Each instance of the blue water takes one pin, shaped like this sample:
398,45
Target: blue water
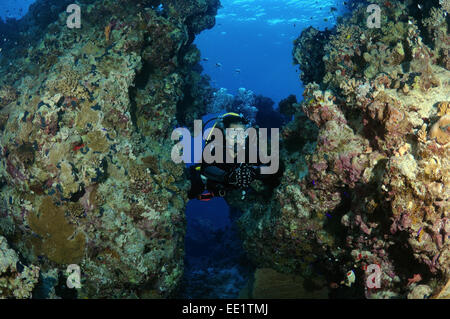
255,37
14,8
251,44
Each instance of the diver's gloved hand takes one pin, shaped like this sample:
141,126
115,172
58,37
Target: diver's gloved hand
242,176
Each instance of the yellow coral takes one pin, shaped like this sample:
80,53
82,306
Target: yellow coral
97,141
68,85
75,210
405,148
58,239
444,108
432,168
422,134
345,34
441,130
108,32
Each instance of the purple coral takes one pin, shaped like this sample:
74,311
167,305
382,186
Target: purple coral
349,173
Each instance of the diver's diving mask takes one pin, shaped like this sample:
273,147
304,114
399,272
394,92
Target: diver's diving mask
238,137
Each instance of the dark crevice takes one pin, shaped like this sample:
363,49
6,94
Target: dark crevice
76,196
140,83
62,290
216,265
133,107
183,107
143,76
333,224
403,259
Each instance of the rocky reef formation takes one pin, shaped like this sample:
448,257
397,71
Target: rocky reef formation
308,54
16,280
270,284
86,117
368,181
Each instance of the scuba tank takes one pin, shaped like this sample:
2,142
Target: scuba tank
218,119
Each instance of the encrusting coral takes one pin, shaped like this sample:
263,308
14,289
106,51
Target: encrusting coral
15,282
54,232
7,95
85,154
269,284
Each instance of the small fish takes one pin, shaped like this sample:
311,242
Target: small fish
419,233
218,64
419,6
237,70
205,59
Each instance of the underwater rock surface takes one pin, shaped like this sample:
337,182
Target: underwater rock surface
16,280
372,185
86,117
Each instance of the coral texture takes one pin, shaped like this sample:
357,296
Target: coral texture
243,103
15,282
269,284
85,165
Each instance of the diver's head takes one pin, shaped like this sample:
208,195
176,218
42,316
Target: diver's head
235,122
235,130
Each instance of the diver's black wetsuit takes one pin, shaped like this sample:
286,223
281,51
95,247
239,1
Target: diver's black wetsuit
221,177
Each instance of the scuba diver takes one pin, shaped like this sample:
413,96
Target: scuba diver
215,179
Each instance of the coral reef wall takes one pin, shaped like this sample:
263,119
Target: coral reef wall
368,180
86,117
